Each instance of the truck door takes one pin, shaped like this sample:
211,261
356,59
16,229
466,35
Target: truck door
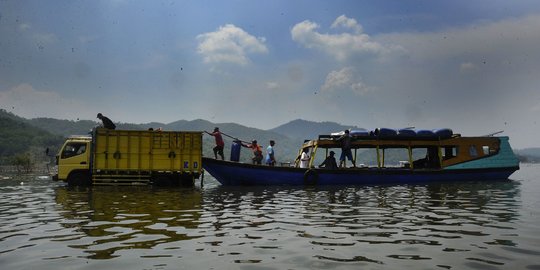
75,155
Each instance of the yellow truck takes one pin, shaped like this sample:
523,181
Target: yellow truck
131,157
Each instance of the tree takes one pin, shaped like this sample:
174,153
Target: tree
22,162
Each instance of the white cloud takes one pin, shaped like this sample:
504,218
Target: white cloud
467,67
480,43
341,46
87,39
229,44
28,102
272,85
345,79
44,38
41,38
24,27
361,88
343,21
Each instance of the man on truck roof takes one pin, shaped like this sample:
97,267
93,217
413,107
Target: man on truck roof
107,123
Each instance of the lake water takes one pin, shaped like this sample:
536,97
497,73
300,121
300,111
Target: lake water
46,225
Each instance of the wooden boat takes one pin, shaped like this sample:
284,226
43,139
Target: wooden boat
397,157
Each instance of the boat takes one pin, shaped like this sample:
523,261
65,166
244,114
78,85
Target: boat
399,156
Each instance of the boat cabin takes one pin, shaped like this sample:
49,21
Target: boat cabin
376,150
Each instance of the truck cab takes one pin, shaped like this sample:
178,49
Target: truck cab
73,160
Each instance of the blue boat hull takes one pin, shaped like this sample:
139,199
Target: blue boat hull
233,173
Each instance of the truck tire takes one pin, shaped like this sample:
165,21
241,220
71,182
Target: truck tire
162,180
79,179
187,180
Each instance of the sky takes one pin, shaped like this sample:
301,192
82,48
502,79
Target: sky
472,66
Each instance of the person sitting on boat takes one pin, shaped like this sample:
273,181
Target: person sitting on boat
345,149
218,149
257,152
304,158
270,159
330,162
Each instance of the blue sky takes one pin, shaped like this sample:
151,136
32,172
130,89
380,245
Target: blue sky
473,66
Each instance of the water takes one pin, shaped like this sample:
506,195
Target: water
471,225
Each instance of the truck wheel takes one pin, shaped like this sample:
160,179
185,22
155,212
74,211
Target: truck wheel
79,179
162,181
187,181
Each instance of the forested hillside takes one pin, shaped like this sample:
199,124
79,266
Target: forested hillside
17,137
33,136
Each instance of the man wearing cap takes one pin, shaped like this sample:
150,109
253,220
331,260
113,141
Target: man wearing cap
107,123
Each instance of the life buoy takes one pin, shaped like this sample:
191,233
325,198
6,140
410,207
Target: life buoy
311,177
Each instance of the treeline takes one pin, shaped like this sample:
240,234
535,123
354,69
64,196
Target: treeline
21,142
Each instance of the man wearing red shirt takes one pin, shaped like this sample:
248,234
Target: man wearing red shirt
219,143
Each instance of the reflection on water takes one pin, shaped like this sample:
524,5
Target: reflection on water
129,217
435,226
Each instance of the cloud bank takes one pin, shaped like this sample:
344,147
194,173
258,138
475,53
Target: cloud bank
351,43
229,44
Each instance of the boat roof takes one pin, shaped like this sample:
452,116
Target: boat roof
325,141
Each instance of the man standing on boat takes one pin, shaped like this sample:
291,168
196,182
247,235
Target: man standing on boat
270,159
345,149
218,149
304,159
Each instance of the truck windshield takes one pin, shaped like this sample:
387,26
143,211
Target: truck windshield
73,149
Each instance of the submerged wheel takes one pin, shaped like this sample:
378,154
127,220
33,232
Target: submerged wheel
163,180
311,177
79,179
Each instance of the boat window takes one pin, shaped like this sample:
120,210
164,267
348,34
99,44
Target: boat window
365,157
419,153
426,157
472,151
450,152
73,149
486,150
395,157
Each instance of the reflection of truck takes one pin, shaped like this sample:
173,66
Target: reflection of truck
131,157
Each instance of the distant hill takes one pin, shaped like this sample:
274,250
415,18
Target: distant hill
18,137
529,155
63,127
303,129
533,152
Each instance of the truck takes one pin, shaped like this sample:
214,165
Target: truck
131,157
